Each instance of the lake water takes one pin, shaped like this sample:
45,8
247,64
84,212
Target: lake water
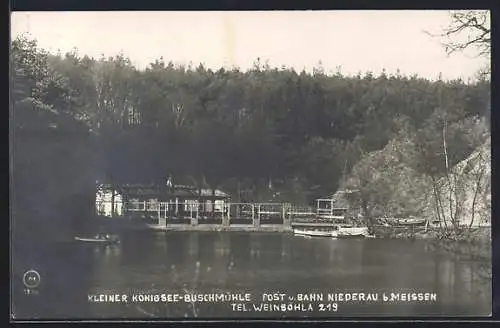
253,264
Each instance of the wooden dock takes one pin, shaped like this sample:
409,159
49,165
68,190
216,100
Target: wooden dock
232,228
256,226
177,216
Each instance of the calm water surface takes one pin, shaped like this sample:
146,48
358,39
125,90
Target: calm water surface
257,263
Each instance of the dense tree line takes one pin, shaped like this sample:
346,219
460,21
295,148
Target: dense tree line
267,130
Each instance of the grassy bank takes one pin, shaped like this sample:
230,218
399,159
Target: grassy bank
475,234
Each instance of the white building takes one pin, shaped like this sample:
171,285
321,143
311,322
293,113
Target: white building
104,200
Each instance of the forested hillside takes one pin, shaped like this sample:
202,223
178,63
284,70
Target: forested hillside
267,131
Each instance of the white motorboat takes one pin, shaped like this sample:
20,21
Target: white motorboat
339,232
312,233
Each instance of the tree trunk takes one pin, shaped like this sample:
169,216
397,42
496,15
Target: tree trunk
368,216
476,192
213,201
450,185
112,200
238,187
458,202
436,204
439,205
200,200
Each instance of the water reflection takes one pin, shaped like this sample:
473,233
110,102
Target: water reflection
206,262
254,247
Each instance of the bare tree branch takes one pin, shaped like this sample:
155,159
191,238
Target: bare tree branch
475,24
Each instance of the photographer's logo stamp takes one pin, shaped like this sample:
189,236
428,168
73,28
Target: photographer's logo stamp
31,279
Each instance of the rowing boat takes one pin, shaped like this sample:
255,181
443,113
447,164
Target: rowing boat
351,232
100,239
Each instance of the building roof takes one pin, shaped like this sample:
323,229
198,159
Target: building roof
339,198
158,191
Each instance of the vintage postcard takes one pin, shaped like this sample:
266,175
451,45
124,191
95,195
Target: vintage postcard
239,165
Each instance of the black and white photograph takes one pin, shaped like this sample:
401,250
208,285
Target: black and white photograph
231,165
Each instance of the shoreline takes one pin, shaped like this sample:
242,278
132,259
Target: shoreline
474,235
384,233
220,228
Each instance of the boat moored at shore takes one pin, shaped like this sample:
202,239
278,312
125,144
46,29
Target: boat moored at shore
351,232
312,233
340,232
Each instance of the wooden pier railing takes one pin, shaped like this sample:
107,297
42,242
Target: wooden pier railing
222,213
